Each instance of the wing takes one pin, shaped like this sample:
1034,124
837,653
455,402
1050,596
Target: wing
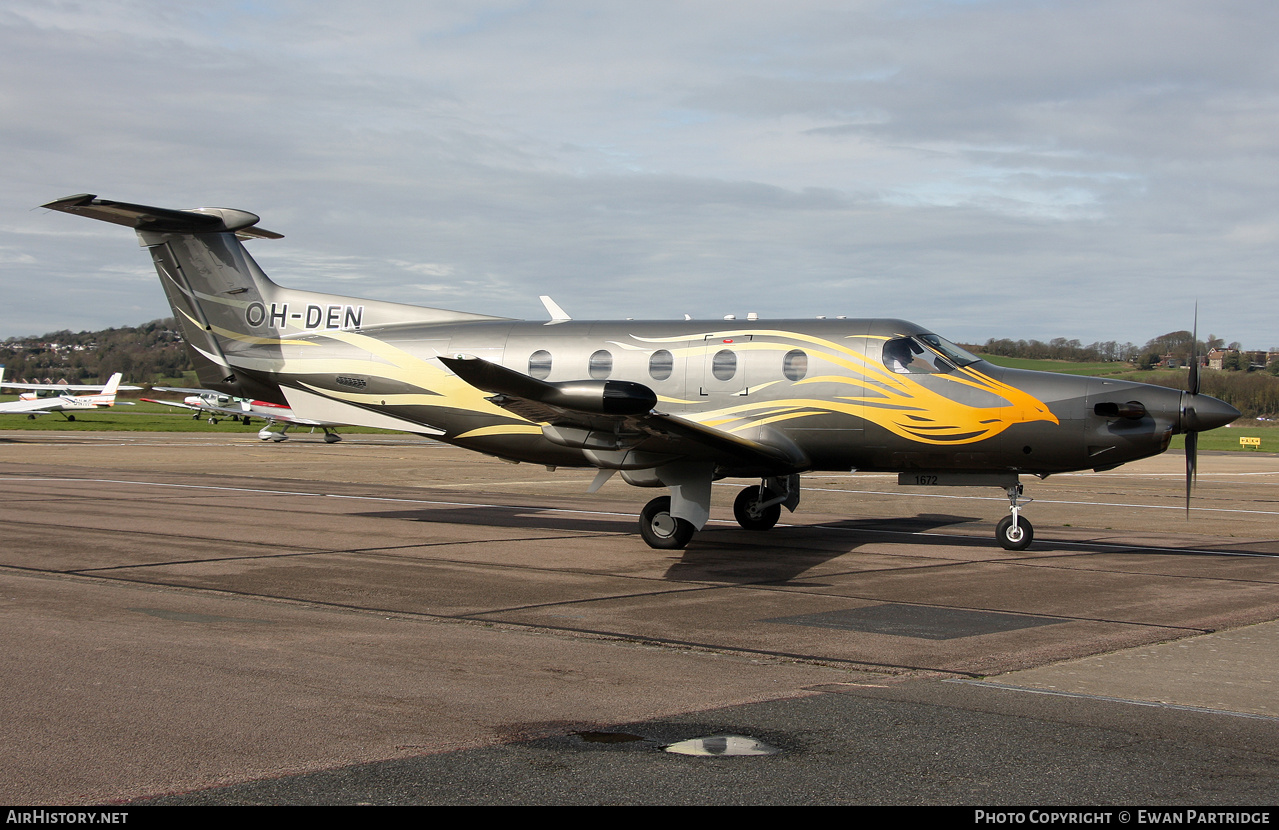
617,425
64,387
187,391
32,407
291,419
275,412
175,403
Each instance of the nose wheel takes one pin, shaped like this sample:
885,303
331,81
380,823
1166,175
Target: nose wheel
1014,532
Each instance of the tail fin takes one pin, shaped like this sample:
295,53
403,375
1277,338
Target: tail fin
113,383
232,316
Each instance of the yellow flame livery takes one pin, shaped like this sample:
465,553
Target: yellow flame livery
900,403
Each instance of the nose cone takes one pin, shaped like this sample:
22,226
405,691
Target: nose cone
1203,413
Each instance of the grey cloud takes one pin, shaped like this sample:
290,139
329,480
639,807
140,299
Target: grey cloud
1078,169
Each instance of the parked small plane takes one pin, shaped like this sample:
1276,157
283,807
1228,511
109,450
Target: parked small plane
674,404
40,398
218,405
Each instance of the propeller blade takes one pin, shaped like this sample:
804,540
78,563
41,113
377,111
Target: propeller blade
1189,423
1194,355
1192,463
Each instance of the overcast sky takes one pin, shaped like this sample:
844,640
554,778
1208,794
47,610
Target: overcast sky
1025,169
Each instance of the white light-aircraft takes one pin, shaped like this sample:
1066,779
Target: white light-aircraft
40,398
218,405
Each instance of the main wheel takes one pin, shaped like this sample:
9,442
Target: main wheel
749,515
1018,538
660,529
70,417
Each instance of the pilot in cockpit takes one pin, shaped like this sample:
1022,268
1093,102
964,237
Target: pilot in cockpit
898,355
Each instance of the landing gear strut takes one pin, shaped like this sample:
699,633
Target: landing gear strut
1014,532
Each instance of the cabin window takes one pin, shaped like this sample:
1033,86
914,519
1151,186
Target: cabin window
661,364
601,365
795,364
724,364
539,364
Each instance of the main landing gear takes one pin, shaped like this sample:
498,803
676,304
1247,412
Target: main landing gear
757,507
660,529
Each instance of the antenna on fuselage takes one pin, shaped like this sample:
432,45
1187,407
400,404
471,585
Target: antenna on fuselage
558,315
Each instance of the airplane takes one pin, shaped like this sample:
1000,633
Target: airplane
40,398
667,404
218,405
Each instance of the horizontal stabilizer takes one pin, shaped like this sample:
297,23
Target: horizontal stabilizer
163,220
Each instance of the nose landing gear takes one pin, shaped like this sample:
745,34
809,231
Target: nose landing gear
1014,532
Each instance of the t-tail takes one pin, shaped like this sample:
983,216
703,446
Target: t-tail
234,318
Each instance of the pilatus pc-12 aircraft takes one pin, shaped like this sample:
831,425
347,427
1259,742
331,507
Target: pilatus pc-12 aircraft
667,404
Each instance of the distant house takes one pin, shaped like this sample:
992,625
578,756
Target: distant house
1217,357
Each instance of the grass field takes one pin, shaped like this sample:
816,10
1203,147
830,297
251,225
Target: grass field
1062,367
1226,439
146,417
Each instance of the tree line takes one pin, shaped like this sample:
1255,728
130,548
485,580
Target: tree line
1059,348
1179,345
143,354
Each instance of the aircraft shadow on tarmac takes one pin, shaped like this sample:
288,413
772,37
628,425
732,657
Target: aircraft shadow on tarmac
784,553
530,518
721,554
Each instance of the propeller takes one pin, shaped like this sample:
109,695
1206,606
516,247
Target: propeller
1199,413
1188,420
